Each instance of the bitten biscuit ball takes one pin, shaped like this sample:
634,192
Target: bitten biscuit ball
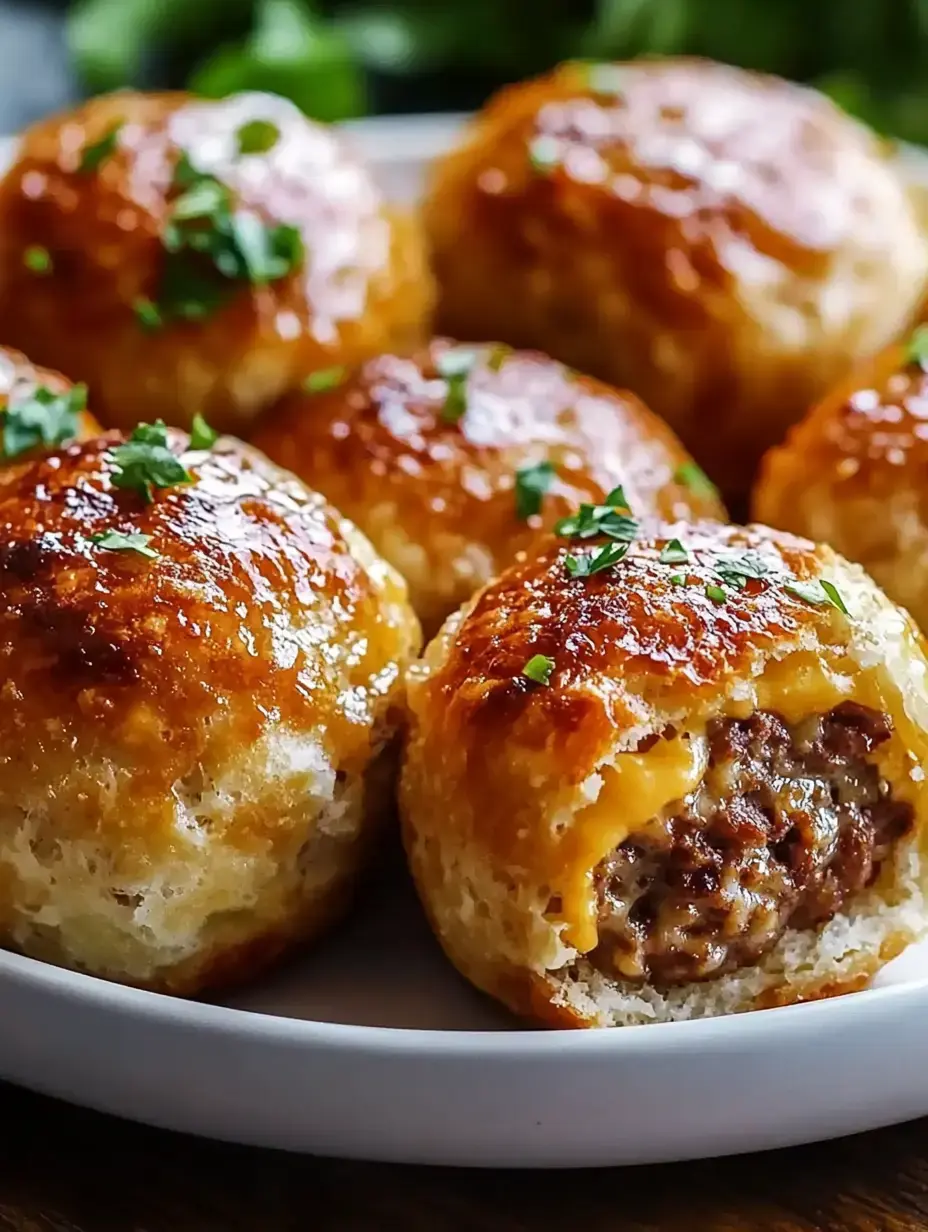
201,668
198,255
853,473
724,244
681,782
455,460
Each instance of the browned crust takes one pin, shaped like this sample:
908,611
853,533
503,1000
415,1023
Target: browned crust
632,255
355,294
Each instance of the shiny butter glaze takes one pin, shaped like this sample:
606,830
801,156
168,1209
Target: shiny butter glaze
870,434
717,241
621,626
362,286
852,473
263,609
380,441
19,379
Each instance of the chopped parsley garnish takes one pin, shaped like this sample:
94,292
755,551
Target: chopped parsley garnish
96,153
605,78
715,593
145,462
818,593
118,541
735,570
678,579
202,436
38,259
257,137
211,245
674,553
544,154
595,562
592,520
696,479
916,351
532,482
147,314
539,668
324,379
455,366
44,418
499,353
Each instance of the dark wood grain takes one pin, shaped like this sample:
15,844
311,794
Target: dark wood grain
65,1170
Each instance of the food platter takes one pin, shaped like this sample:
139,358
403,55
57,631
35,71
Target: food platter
372,1047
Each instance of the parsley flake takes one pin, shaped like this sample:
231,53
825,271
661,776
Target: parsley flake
498,355
455,366
819,593
38,259
735,570
678,579
595,562
716,594
592,520
98,151
539,668
147,314
696,479
119,541
324,379
532,482
916,351
257,137
211,245
145,462
44,418
202,436
674,553
544,154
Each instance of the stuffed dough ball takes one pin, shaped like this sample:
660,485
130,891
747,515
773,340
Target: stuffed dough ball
724,244
852,473
455,460
681,783
201,666
39,409
182,255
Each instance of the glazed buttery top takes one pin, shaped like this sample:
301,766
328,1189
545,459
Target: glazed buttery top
259,607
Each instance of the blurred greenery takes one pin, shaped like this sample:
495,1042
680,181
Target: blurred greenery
338,60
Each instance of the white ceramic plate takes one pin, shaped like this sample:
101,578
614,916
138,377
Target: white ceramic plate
372,1047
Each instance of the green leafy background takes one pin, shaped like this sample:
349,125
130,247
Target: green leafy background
339,60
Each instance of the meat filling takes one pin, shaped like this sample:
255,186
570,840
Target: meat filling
787,825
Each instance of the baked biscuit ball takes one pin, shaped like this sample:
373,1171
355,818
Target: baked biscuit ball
199,255
722,243
39,409
689,784
199,702
455,460
853,473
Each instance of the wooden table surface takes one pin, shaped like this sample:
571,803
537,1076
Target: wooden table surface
65,1170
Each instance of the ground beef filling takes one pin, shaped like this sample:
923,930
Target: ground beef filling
787,825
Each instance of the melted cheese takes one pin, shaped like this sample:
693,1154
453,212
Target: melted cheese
638,786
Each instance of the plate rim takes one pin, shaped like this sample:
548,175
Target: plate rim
753,1028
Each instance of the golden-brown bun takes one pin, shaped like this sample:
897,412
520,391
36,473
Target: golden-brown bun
723,243
437,498
513,793
852,474
362,288
194,749
19,382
